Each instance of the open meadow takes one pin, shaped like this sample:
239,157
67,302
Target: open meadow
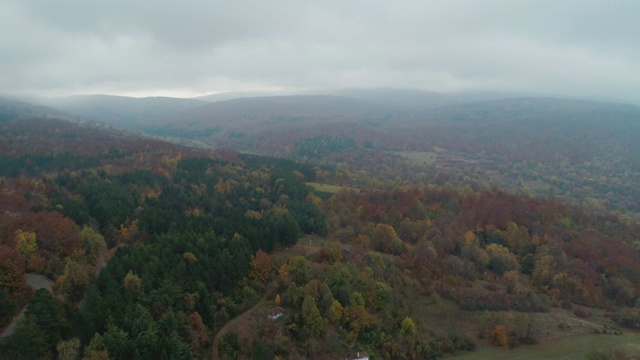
567,348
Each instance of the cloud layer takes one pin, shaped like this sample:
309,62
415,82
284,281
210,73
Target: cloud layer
588,48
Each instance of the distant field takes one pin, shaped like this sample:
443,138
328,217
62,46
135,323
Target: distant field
328,188
418,157
567,348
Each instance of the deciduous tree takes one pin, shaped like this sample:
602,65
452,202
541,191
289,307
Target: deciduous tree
68,349
197,331
408,327
132,282
26,243
386,240
499,336
11,269
73,283
261,266
334,314
313,322
92,242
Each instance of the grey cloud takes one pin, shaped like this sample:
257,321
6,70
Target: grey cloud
573,48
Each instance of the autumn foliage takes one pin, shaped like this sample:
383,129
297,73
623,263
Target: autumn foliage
189,233
261,266
499,336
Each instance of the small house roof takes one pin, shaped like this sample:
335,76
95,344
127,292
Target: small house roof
358,355
275,311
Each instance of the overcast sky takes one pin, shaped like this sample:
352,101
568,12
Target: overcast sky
185,48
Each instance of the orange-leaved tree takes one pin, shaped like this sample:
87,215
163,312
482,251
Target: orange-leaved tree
261,266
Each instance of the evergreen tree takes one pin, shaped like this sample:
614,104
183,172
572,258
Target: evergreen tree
49,316
29,341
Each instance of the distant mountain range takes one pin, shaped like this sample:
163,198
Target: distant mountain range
389,119
139,112
11,109
522,138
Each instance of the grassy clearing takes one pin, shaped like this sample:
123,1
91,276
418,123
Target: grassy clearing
570,347
306,245
328,188
418,157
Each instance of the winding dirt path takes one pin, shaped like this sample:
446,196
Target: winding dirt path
232,323
36,281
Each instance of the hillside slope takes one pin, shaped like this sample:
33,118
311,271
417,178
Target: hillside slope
409,264
581,151
11,109
120,110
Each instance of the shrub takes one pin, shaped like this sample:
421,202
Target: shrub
581,313
499,336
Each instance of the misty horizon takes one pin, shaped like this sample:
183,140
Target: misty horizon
573,49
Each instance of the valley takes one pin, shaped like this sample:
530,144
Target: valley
434,227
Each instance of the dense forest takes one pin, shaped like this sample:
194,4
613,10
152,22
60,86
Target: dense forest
179,229
161,251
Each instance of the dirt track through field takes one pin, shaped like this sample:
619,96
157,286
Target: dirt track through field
231,323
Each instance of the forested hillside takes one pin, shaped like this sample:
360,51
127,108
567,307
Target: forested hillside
160,251
11,109
579,151
184,223
582,152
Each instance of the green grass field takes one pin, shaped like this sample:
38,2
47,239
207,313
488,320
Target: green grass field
328,188
567,348
418,157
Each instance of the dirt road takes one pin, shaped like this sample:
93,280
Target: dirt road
36,282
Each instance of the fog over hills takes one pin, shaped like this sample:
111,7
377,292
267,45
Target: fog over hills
11,108
327,107
121,110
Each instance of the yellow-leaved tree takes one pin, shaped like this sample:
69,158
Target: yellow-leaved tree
26,243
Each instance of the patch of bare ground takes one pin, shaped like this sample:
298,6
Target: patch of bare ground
245,324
